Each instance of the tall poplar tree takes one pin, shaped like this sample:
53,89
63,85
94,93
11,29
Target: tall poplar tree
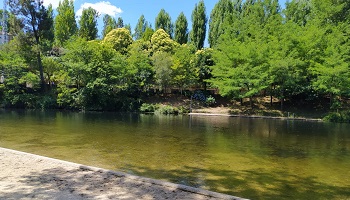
298,12
181,29
120,23
65,24
163,21
140,28
199,25
109,24
14,24
221,10
88,24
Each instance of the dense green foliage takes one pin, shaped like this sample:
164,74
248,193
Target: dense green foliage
163,21
199,25
181,29
303,56
65,24
109,24
140,28
217,16
299,54
88,24
38,26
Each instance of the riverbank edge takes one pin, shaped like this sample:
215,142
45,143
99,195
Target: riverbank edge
256,117
129,176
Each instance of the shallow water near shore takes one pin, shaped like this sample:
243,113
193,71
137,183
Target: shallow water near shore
251,158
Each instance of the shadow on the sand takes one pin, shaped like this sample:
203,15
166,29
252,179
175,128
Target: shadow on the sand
84,183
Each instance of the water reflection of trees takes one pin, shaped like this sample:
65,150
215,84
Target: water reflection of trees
221,153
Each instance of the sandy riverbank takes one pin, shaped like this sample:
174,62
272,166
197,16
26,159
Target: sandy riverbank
29,176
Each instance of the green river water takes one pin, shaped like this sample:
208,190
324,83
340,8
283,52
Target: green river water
250,158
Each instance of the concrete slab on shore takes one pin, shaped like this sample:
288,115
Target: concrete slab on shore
29,176
255,116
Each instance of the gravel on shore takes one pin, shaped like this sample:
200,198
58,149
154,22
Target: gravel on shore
29,176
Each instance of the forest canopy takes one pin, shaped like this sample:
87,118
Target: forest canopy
300,53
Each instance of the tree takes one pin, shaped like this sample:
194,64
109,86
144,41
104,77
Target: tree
287,63
221,10
183,73
140,66
140,28
161,41
147,35
203,62
109,24
119,39
298,12
14,24
37,24
181,29
199,25
128,26
51,66
65,24
328,58
49,34
162,63
120,23
163,21
88,24
240,69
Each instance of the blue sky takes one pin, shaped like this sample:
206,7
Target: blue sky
131,10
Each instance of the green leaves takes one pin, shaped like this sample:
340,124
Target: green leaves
109,24
163,21
65,24
88,24
161,41
199,25
222,10
181,29
119,39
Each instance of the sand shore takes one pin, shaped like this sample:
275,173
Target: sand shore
29,176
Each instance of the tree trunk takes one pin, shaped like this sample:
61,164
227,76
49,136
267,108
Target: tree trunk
282,98
330,100
271,97
41,70
282,101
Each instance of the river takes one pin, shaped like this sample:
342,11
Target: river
251,158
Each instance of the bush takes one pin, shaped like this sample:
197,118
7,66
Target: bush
210,101
340,117
145,107
168,110
163,109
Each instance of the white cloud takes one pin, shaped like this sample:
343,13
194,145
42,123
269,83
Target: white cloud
54,3
103,7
